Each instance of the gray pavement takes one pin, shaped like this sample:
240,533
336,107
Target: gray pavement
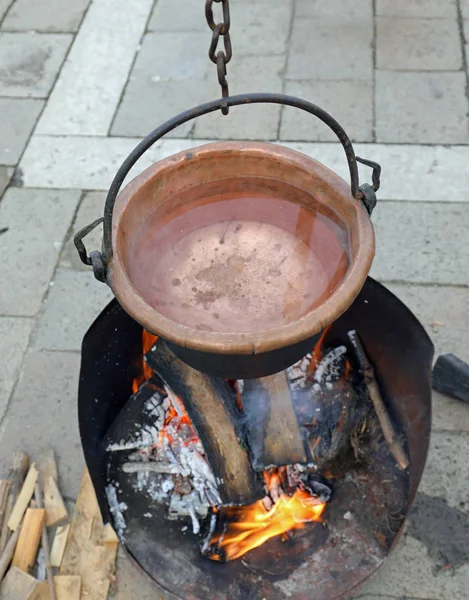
81,82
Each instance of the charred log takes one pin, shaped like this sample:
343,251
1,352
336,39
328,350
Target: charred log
211,406
327,408
138,423
274,436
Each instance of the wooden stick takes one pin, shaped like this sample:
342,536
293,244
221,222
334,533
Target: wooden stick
30,537
389,432
8,552
45,546
20,465
58,545
24,497
211,406
273,431
5,485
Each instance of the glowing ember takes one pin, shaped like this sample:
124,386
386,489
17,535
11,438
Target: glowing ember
248,527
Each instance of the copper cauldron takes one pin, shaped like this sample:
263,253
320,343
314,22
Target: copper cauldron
238,254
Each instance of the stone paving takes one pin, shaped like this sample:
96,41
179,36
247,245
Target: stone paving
81,82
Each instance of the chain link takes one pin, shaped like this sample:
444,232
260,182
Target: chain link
220,57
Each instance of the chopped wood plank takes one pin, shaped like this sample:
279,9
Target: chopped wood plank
23,499
17,585
47,464
68,587
20,465
53,503
58,545
39,592
109,535
85,552
30,537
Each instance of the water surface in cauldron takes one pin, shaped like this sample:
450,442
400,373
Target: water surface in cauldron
238,262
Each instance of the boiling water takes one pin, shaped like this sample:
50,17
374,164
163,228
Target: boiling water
238,263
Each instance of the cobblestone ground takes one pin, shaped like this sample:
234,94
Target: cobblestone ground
81,82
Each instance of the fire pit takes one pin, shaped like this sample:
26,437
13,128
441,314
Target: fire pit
332,521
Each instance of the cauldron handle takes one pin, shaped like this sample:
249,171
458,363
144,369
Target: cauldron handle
365,192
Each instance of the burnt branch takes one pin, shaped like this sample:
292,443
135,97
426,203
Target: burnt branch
374,392
211,406
273,432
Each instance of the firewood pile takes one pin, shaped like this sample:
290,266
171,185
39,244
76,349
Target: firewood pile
44,555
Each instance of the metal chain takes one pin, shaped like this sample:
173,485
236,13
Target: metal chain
221,57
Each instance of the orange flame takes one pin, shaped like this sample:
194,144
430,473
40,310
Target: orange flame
255,524
148,339
317,352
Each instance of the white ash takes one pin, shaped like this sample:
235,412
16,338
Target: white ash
117,509
329,365
298,373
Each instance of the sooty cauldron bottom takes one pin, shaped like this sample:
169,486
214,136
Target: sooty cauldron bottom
365,516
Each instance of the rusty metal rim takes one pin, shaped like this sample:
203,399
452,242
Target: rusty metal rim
244,343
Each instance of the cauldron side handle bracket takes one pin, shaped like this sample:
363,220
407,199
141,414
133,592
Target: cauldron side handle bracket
364,193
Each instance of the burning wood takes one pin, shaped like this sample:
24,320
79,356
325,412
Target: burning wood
241,529
211,406
273,433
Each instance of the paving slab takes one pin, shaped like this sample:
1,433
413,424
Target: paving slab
37,222
418,44
29,62
6,173
261,27
179,15
14,338
88,163
43,412
410,172
421,242
447,470
345,8
251,122
163,82
48,15
91,208
449,414
417,8
74,301
421,107
315,53
443,311
19,116
4,6
90,84
409,572
465,8
349,102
